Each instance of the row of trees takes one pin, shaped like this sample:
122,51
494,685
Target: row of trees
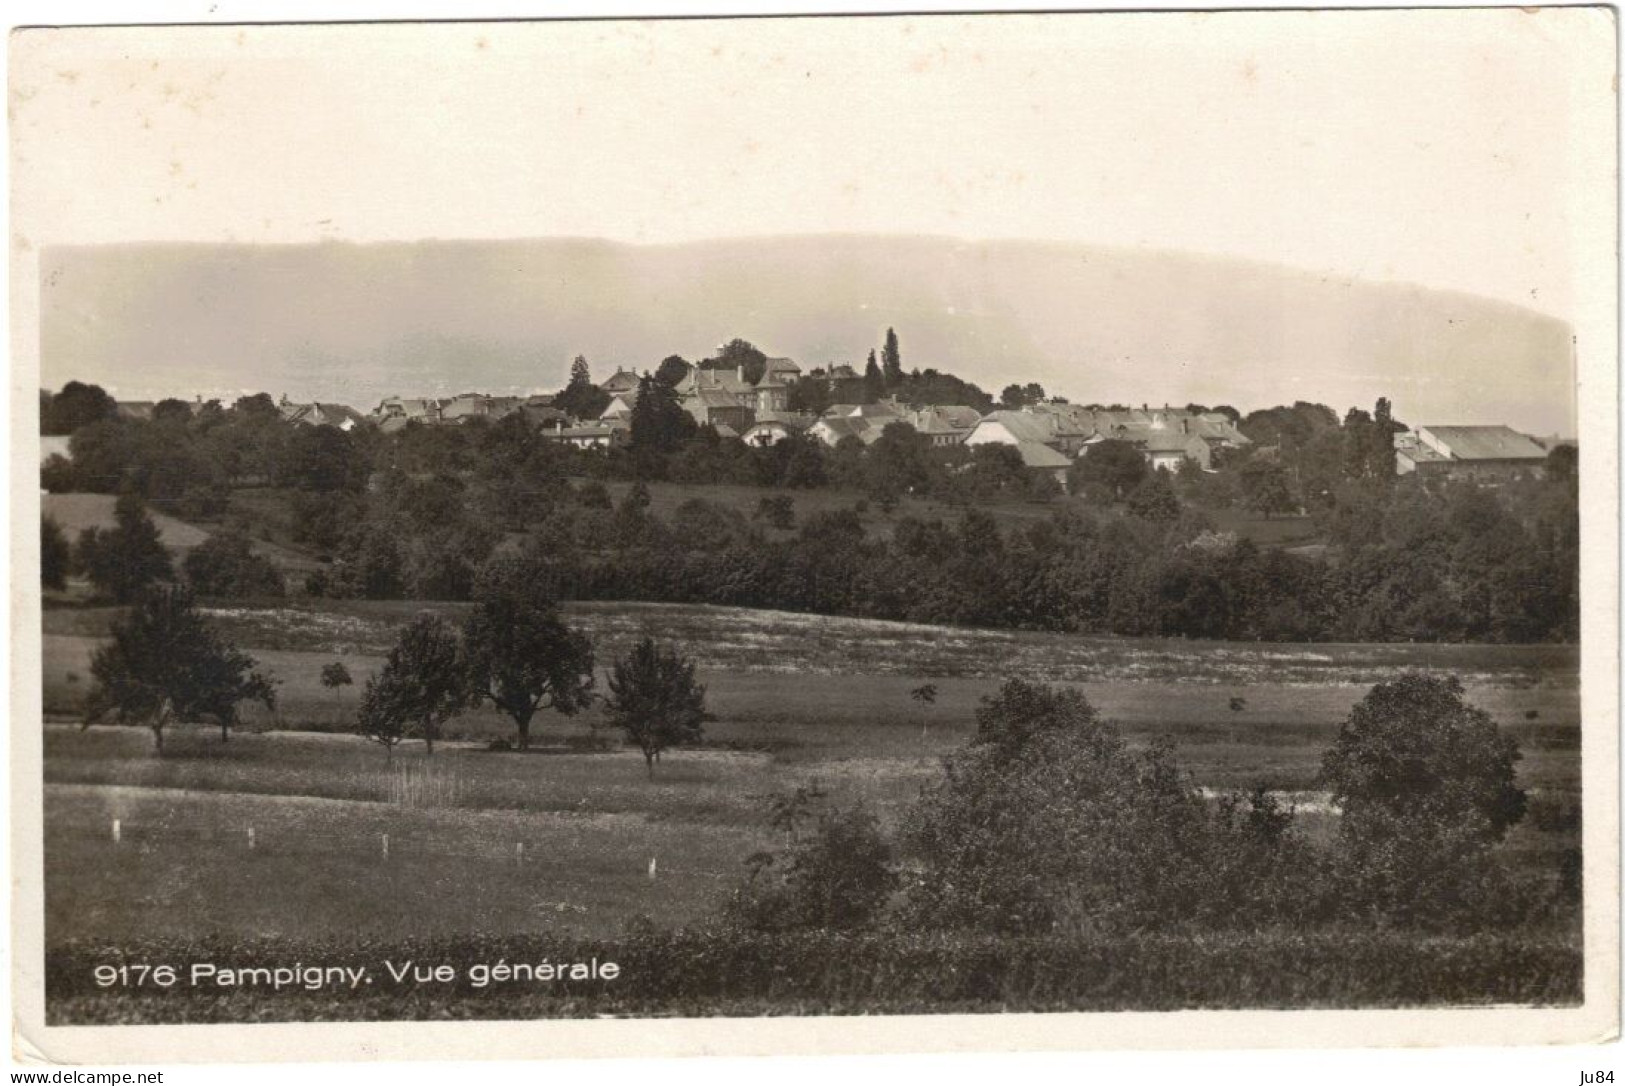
164,664
1050,822
1459,563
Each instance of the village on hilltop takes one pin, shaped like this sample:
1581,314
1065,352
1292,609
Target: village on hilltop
762,401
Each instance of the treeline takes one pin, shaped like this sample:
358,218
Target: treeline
1461,564
417,513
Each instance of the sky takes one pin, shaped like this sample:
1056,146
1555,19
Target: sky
1469,150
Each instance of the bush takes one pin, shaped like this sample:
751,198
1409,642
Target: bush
127,559
839,878
593,495
778,511
224,565
1048,821
1426,783
54,555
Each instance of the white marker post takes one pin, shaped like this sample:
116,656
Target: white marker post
652,866
115,831
251,838
519,852
386,846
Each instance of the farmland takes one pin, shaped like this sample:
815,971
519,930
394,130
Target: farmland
559,841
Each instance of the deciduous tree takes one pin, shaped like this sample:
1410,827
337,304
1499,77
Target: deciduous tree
421,686
655,700
521,656
127,558
165,664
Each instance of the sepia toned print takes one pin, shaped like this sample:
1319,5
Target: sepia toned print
771,519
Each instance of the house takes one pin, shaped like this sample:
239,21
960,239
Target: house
830,429
620,381
1170,437
772,390
417,410
1171,449
718,408
1015,428
620,405
336,415
725,398
598,435
1484,453
944,426
772,427
539,411
1040,459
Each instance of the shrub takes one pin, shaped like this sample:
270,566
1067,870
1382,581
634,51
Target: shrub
54,555
839,878
125,560
1049,821
778,511
1426,784
593,495
225,565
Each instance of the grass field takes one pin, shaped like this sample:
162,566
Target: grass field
798,699
76,512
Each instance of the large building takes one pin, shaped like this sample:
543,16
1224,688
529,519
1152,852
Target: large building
1485,453
725,398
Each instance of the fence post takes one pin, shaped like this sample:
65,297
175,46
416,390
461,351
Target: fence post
115,831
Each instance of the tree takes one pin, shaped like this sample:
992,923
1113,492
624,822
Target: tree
127,558
899,462
172,412
54,555
521,656
164,663
1427,784
778,511
421,686
1050,822
1414,748
1116,465
77,405
891,361
1154,498
1014,397
839,878
323,459
225,565
874,382
741,355
581,399
659,423
925,695
336,676
672,369
1563,464
1265,488
655,700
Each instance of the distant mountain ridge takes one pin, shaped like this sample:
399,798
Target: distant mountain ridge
354,323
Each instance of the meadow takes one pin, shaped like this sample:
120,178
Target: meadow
573,840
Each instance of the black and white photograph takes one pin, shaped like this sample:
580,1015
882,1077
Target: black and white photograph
965,520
